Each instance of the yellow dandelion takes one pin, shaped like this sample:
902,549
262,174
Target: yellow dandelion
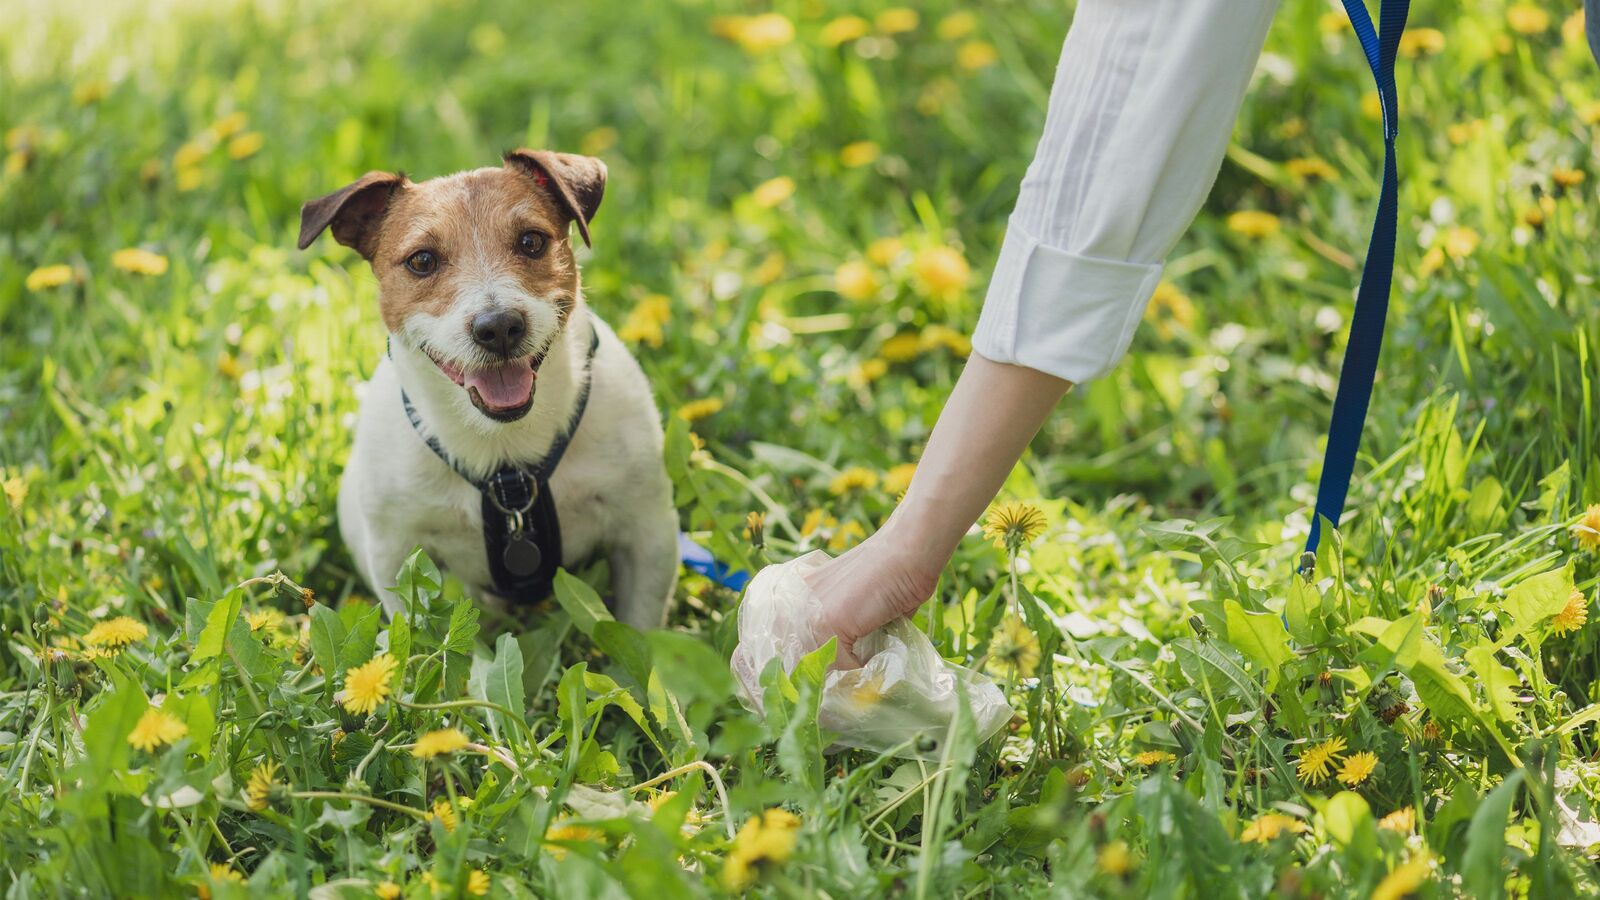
1572,616
817,521
846,536
854,280
1572,27
859,153
1533,216
936,336
695,410
1460,242
444,814
1589,113
1152,758
1372,105
1587,530
1567,178
645,320
478,883
942,272
367,685
1012,524
755,528
246,145
265,619
139,261
221,873
229,125
1170,309
1415,42
91,91
898,20
438,743
190,155
766,841
1402,820
885,250
1310,167
1317,762
116,633
902,347
773,191
156,728
763,33
1114,859
957,25
387,890
843,30
1406,879
189,179
1014,650
769,270
46,277
1526,18
1357,768
897,480
855,478
1461,132
866,372
975,55
1266,827
1253,223
258,791
1432,261
564,831
1333,22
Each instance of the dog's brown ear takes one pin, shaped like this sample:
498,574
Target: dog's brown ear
578,182
354,211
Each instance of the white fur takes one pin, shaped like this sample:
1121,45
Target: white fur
611,488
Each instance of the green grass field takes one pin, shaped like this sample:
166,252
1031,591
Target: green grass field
804,204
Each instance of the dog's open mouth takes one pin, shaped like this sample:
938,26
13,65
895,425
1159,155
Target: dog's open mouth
503,392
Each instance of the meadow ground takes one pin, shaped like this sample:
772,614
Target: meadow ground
804,203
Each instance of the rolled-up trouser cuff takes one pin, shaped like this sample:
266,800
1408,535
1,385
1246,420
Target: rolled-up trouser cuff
1066,315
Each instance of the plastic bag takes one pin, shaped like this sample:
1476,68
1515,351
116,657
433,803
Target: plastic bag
906,694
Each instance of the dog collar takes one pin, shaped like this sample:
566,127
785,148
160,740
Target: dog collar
521,531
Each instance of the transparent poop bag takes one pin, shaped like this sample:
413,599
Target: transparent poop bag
903,699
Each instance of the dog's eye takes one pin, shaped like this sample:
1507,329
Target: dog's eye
422,262
531,244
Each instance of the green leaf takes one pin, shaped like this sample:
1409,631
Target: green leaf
1348,819
195,711
1260,637
503,684
105,734
627,648
400,643
1535,600
418,582
327,637
1302,611
1498,682
362,638
580,601
1483,872
218,621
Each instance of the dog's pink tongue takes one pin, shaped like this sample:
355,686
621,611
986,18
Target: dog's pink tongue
502,387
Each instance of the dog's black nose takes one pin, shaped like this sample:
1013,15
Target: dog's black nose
500,331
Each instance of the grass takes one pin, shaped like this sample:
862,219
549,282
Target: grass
172,429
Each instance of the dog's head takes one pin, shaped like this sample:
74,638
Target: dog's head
475,270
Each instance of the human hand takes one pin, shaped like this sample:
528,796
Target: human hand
872,584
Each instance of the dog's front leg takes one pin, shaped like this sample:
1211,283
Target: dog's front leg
644,568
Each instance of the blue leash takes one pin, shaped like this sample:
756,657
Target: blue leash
1377,277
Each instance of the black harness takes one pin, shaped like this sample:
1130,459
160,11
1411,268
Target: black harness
521,532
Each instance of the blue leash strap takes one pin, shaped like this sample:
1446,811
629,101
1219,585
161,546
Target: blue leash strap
1377,276
698,559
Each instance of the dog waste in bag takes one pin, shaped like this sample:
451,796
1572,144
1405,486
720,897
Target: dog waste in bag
905,696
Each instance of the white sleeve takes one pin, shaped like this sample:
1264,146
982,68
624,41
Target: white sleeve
1144,100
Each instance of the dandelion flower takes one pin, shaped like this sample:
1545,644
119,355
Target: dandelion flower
367,685
1012,524
1317,762
855,478
867,371
1170,307
565,831
1357,768
155,729
1332,22
1459,242
903,347
229,125
1253,223
265,619
898,479
1416,42
898,20
387,890
478,883
957,25
139,261
815,521
884,250
1587,531
1372,105
1014,650
645,320
695,410
1152,758
975,55
843,30
1526,18
1114,859
755,528
221,873
246,145
445,814
942,271
16,491
935,336
1567,178
1268,826
760,34
854,281
116,633
773,191
438,743
1310,167
258,791
846,536
859,153
46,277
1572,616
765,841
1406,879
1402,820
1589,113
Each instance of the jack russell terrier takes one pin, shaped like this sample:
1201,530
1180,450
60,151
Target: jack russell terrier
508,431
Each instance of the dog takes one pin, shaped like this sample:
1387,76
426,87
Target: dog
496,372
